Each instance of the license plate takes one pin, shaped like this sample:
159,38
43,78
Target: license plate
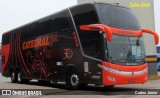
132,80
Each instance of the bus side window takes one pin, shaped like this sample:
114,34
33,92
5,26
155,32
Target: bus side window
29,31
60,22
91,43
44,27
5,38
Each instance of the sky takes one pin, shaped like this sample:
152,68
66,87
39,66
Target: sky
14,13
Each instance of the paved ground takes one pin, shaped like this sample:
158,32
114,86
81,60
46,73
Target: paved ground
59,90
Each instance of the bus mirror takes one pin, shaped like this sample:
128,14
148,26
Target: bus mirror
98,27
156,37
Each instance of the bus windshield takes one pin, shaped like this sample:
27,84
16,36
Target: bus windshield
124,49
118,17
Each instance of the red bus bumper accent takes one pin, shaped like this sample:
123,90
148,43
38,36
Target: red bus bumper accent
123,74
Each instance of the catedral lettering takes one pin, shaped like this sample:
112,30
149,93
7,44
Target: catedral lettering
93,43
39,42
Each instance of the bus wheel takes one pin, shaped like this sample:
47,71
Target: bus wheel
20,80
14,77
72,81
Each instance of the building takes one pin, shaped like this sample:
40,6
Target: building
144,10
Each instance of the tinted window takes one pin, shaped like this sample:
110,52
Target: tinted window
91,43
44,27
54,23
5,38
60,21
84,14
29,31
118,17
65,37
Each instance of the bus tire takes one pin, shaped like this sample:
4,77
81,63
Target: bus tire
14,77
110,86
43,82
72,80
21,80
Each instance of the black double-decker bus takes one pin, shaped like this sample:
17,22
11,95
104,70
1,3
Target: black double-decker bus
92,43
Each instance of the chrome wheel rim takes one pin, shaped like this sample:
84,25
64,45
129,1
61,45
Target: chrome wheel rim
74,80
12,76
19,77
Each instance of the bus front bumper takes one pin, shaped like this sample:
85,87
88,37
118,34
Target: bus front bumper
118,74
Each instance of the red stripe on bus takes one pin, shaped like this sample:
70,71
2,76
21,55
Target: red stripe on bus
5,55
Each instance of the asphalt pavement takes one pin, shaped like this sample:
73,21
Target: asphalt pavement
54,90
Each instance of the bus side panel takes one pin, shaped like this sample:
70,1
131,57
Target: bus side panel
37,54
45,47
6,48
5,56
92,73
12,59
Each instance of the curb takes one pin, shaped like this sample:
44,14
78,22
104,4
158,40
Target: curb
154,77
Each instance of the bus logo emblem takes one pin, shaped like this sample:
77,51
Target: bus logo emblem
132,73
